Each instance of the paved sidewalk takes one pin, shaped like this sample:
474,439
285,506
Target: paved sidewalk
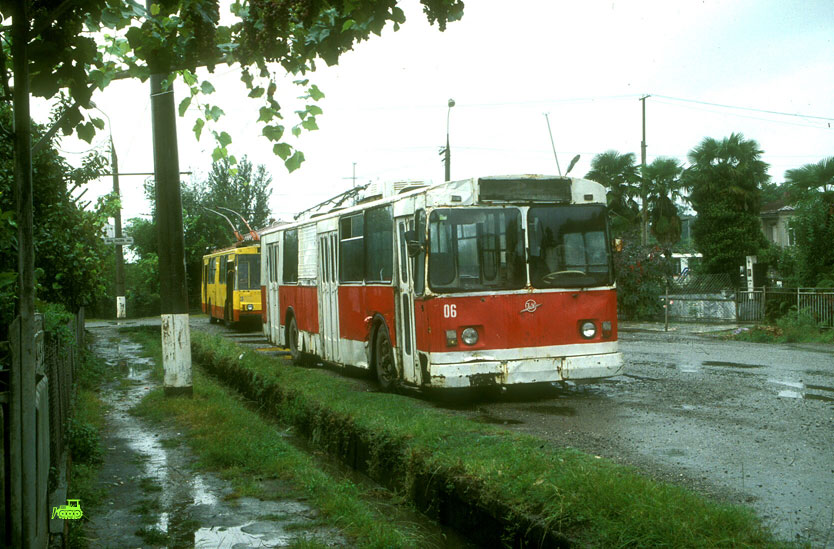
678,327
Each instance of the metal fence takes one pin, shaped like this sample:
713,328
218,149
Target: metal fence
772,303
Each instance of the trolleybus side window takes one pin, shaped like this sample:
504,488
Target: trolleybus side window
222,269
351,248
212,270
291,256
379,245
568,246
474,249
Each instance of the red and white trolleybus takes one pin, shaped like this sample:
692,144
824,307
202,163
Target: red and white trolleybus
485,281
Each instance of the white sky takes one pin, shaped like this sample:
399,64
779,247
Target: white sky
505,64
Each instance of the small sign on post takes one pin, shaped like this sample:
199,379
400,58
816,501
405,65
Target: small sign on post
121,241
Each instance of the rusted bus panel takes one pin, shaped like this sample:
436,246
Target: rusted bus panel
357,306
303,300
514,320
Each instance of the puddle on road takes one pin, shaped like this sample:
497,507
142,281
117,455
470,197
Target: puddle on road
729,364
797,389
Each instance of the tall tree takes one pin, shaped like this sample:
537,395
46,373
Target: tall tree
724,180
812,189
619,174
663,189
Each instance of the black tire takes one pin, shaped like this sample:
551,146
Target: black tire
212,320
292,340
227,314
384,362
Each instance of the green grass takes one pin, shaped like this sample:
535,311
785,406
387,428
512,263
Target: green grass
593,501
249,451
794,327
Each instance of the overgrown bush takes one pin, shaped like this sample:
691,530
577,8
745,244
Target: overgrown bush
641,272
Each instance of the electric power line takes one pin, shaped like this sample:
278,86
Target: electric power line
780,113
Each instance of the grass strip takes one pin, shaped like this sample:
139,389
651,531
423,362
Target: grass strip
590,501
250,452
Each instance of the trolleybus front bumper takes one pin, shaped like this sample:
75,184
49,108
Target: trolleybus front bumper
484,371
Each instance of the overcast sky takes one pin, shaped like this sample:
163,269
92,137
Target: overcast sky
505,64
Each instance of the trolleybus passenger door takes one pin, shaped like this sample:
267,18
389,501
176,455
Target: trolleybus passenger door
329,295
405,304
273,305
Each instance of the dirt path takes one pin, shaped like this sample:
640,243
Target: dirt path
154,496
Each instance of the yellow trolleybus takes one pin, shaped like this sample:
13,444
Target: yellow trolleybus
231,286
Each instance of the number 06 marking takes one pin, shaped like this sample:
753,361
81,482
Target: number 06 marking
450,311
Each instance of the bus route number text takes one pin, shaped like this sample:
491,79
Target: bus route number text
450,311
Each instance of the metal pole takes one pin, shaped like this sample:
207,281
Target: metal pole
176,335
550,133
448,159
666,311
23,473
644,232
121,311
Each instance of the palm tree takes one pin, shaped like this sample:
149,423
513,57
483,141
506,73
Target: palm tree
811,177
663,188
729,167
618,173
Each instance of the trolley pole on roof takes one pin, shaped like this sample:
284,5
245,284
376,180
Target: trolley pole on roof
176,335
448,159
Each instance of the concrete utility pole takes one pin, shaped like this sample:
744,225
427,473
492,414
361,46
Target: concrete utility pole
176,335
121,309
22,454
644,218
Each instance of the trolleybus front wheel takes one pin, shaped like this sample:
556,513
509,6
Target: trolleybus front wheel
212,320
386,367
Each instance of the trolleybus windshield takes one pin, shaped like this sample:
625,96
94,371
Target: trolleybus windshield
474,249
568,246
248,272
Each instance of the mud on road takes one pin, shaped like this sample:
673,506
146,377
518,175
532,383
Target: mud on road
739,422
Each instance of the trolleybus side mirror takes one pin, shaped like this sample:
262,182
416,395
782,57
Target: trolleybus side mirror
413,246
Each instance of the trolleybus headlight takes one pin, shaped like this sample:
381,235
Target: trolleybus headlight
469,336
250,307
588,329
451,338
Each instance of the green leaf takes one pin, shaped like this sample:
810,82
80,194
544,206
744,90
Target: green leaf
273,133
86,132
294,162
347,24
98,123
184,104
314,109
214,112
257,92
310,124
154,9
189,77
296,130
218,153
206,87
266,114
282,149
224,139
198,127
316,93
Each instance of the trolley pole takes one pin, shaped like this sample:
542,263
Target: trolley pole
121,308
176,335
448,158
644,217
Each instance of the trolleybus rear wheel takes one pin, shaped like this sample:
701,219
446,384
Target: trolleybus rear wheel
386,367
292,340
212,320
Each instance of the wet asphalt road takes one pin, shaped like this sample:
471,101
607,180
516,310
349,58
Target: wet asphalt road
740,422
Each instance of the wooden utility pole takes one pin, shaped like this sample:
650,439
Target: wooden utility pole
176,335
22,458
644,217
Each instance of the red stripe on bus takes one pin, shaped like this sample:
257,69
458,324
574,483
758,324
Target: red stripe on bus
358,305
305,304
263,304
509,322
